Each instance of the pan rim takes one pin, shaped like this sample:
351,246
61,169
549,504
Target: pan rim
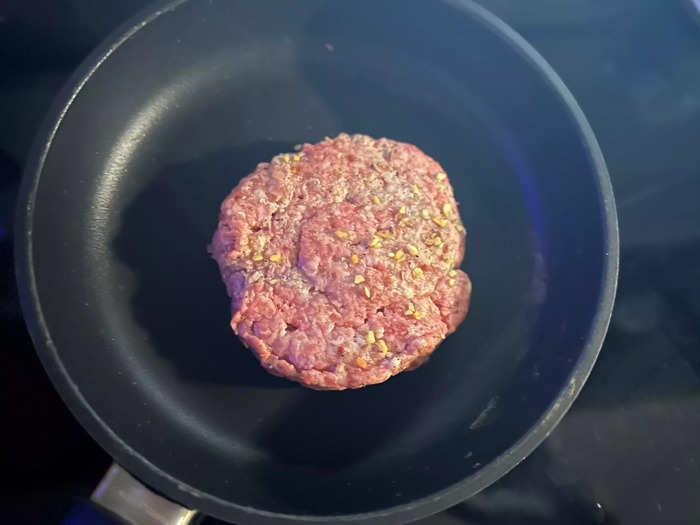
213,505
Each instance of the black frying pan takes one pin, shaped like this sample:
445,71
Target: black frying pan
131,320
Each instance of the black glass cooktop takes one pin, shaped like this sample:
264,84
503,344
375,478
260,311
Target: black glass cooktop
628,452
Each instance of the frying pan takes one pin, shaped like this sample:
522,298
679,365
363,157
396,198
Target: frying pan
130,319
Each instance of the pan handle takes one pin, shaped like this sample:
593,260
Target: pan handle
122,494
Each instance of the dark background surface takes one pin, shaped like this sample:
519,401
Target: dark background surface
628,452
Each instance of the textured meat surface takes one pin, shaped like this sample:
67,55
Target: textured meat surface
339,260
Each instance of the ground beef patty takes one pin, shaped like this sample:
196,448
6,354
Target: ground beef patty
339,260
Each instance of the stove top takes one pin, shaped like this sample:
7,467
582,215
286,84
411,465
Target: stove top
627,452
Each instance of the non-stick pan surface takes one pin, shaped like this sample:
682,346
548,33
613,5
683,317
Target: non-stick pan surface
130,318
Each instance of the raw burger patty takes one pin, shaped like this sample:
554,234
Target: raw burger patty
340,261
